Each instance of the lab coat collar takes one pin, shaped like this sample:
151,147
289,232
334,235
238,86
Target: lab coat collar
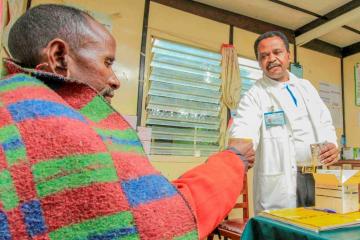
276,84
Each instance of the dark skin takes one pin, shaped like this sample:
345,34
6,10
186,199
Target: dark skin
245,147
329,154
274,60
90,63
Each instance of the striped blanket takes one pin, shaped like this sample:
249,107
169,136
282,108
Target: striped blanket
72,168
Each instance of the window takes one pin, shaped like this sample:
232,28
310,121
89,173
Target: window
183,100
250,72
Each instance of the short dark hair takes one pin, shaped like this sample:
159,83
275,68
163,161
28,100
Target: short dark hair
269,35
41,24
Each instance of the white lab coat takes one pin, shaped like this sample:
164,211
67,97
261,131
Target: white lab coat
275,165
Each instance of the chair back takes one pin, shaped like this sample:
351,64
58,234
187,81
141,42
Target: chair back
244,204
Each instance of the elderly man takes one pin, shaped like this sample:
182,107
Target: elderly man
71,166
283,115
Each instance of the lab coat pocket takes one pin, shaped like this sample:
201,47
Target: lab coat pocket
275,132
272,191
273,155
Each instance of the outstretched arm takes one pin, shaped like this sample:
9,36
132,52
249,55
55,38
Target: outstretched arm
212,189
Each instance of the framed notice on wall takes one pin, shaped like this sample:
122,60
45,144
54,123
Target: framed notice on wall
331,96
357,84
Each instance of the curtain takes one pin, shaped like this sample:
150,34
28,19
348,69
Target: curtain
231,84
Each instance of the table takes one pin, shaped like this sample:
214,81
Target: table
261,228
352,163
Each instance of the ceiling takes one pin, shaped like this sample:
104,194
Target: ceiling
336,22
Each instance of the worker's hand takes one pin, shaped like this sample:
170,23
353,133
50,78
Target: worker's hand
329,154
245,147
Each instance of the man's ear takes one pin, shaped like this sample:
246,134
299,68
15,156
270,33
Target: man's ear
58,56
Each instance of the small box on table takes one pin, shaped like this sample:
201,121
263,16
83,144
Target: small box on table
337,190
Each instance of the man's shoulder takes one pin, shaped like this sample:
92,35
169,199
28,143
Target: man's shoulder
299,81
25,97
306,84
254,95
304,81
257,88
16,80
15,76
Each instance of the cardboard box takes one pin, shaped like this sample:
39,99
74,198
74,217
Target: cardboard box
337,190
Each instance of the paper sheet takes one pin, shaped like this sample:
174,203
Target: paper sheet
331,95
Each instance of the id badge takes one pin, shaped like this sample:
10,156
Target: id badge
273,119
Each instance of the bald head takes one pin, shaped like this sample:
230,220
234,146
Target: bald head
67,42
38,26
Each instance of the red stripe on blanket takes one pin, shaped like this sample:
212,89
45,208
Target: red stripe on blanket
76,95
41,237
23,181
75,205
3,163
132,165
16,225
114,121
5,117
30,93
54,137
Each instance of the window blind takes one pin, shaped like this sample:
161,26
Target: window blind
183,100
250,72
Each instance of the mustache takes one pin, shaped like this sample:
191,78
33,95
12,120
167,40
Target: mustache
107,91
273,64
